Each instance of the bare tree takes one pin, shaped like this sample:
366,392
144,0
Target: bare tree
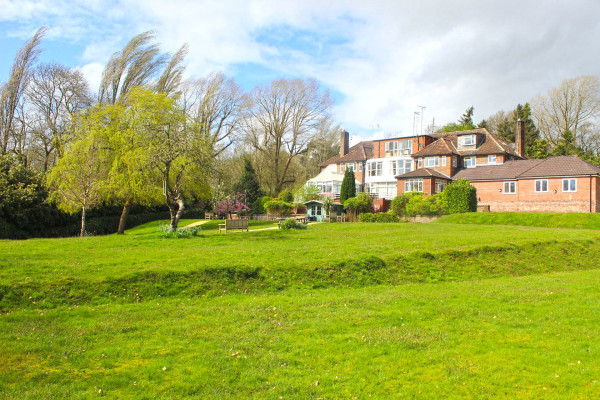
215,105
11,93
282,119
55,95
573,106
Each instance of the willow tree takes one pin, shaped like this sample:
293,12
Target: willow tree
179,155
79,179
140,64
12,92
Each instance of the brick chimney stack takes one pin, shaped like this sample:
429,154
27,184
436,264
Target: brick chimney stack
520,138
344,143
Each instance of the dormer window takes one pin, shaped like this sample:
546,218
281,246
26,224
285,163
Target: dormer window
468,140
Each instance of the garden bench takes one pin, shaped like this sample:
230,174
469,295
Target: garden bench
209,215
234,224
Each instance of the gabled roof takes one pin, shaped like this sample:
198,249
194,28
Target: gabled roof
441,146
487,143
518,169
359,152
423,173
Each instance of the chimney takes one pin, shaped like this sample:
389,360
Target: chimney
520,138
344,143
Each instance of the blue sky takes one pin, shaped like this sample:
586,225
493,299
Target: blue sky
380,59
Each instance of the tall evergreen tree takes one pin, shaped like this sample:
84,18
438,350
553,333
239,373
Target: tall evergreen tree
248,184
348,189
506,129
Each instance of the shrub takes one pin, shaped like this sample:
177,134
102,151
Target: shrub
278,207
358,204
430,205
379,217
179,233
286,196
366,217
399,203
291,223
460,197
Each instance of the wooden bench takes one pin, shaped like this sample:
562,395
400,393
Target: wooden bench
209,215
234,224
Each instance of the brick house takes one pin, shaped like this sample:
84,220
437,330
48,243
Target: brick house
504,178
554,184
375,163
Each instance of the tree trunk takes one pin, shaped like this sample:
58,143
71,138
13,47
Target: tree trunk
123,219
82,232
176,210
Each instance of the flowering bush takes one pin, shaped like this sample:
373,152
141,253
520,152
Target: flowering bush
236,204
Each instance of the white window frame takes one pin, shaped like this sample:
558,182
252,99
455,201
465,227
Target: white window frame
471,158
454,161
541,182
470,138
492,159
432,162
443,161
413,183
394,168
374,168
507,187
440,185
420,162
569,186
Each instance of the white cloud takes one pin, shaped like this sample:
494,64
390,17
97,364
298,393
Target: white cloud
384,57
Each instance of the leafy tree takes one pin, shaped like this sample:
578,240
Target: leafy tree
460,197
22,197
78,180
132,178
306,192
286,196
359,204
465,123
248,184
348,189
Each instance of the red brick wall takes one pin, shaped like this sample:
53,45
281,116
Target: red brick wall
525,199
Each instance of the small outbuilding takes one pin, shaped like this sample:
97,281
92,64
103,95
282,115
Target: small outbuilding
315,211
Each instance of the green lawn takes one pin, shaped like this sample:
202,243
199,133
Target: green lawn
551,220
530,337
355,310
